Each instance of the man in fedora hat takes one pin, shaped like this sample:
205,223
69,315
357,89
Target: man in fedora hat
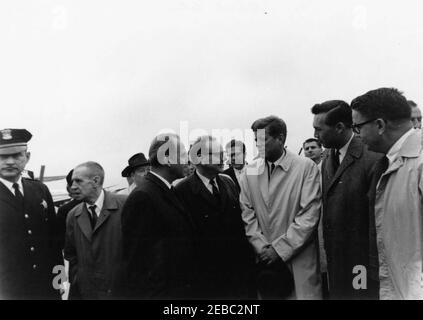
29,248
137,167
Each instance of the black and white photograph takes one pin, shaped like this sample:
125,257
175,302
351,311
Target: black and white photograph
211,155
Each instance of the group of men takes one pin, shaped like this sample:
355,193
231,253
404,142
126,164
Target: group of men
252,231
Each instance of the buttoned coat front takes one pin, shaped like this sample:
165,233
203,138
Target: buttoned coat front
29,247
285,213
346,221
95,256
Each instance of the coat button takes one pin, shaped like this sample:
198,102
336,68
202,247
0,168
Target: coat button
29,232
32,249
26,216
34,266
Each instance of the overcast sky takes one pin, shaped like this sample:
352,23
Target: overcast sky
96,80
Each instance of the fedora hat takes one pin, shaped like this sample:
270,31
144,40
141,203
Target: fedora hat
137,160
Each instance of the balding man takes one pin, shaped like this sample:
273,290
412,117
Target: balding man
93,235
416,114
157,230
226,260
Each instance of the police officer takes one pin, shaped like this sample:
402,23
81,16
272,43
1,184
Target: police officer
28,233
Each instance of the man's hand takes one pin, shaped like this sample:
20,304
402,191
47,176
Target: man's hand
268,255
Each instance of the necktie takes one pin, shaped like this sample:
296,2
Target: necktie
93,216
18,194
335,160
271,169
216,193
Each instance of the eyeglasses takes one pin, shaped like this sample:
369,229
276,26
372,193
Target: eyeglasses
357,126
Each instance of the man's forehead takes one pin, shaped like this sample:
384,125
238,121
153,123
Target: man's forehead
319,119
357,116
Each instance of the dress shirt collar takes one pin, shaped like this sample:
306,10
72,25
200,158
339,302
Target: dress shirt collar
162,179
9,185
206,181
344,149
98,203
396,147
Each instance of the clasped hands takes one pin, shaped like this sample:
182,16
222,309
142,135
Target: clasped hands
268,255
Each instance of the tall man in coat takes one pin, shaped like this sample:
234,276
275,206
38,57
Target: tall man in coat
225,258
346,177
382,118
29,248
280,200
157,230
93,244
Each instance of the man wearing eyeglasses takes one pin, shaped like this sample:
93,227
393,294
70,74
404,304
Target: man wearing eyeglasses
346,176
416,115
225,258
382,118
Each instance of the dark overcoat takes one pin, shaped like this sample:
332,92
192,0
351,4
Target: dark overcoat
225,257
157,243
346,217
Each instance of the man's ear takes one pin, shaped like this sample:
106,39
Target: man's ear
340,127
28,156
381,126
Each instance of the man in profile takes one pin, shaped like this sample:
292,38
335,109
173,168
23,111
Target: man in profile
158,245
137,168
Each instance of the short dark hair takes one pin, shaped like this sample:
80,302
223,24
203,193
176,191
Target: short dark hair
312,140
275,125
234,143
155,145
337,111
386,103
411,103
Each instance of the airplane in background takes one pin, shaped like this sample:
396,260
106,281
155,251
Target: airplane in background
58,191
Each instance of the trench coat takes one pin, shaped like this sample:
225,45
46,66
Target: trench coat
95,256
346,218
285,214
399,223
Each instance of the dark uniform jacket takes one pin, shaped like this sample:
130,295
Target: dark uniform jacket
346,217
225,257
28,243
157,243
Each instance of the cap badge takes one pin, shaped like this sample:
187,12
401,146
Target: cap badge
6,134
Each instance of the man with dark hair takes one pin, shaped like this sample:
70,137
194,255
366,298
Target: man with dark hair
93,244
280,200
346,176
157,230
63,210
382,119
29,247
236,152
416,114
225,258
313,150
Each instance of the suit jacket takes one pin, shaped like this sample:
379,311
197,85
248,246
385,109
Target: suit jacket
28,243
346,217
230,172
95,256
157,243
225,258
